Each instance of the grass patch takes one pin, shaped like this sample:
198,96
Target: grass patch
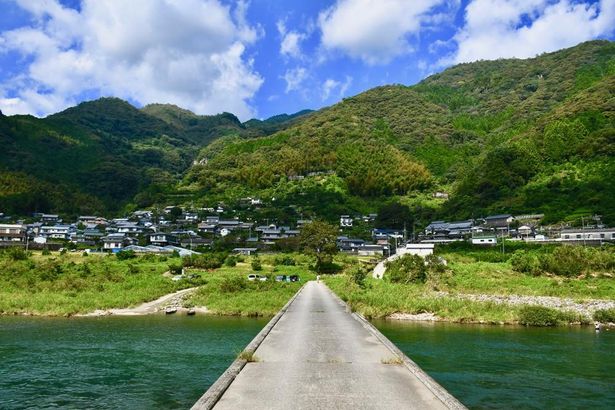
605,315
392,360
229,292
71,283
544,316
248,356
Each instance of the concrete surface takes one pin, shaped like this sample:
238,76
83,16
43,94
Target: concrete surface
319,356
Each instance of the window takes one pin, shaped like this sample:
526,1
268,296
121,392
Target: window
601,236
566,236
578,236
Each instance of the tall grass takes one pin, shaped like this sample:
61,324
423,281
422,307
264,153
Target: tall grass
69,284
229,292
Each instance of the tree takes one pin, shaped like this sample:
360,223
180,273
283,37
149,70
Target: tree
319,239
394,215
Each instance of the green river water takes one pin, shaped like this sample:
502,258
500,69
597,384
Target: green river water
164,362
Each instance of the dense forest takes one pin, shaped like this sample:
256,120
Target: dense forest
520,136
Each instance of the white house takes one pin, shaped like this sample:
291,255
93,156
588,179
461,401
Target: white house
484,241
420,249
595,235
345,221
12,233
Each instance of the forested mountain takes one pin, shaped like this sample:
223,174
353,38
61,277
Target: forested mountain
100,155
534,135
517,136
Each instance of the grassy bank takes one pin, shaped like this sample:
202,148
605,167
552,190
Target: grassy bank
72,283
228,292
483,272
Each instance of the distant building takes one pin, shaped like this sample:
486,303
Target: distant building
163,239
245,251
371,250
420,249
345,221
499,221
12,233
484,241
588,235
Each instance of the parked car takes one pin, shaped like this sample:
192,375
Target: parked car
262,278
281,278
252,276
294,278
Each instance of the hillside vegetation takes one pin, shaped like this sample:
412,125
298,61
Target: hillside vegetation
534,135
513,135
101,155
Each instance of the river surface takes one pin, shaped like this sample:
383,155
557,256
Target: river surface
165,362
504,367
146,362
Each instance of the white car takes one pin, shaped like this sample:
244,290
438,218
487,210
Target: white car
254,276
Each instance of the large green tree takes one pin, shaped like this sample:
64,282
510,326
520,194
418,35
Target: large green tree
319,239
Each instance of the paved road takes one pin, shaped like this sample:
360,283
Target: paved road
319,357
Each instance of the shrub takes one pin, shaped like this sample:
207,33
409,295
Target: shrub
232,284
205,261
526,262
125,255
284,260
566,261
435,263
175,269
540,316
17,254
230,261
605,315
256,264
358,274
407,269
46,252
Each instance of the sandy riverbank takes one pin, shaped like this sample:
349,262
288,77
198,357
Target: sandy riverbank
172,300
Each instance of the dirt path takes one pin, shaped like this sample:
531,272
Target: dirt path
171,300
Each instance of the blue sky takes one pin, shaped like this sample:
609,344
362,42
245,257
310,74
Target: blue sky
263,57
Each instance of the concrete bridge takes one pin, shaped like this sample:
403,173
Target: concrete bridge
315,354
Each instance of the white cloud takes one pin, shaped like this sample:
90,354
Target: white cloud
330,85
525,28
374,31
189,53
294,77
290,44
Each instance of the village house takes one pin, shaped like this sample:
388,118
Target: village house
12,233
345,244
49,218
487,240
371,250
419,249
163,239
61,232
245,251
345,221
115,242
593,235
499,222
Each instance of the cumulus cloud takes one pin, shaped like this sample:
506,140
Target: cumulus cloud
189,53
290,45
331,85
375,31
525,28
294,78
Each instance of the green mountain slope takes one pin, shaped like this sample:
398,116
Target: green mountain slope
100,155
513,135
517,136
